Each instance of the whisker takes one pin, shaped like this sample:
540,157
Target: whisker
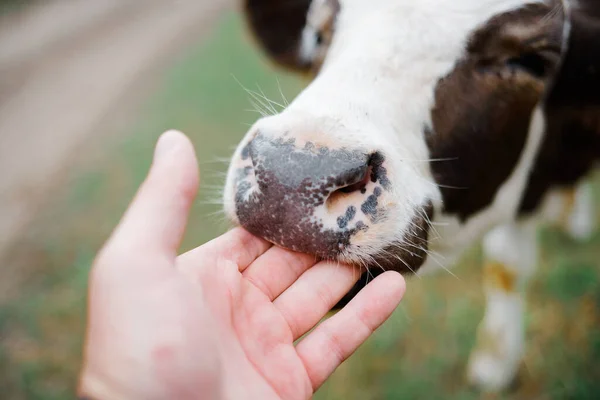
433,255
265,108
435,184
407,266
260,108
272,102
285,100
429,159
429,223
397,257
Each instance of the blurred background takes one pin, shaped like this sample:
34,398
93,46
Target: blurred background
87,86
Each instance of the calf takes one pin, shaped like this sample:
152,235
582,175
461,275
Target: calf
428,125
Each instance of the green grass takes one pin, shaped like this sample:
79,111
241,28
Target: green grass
419,354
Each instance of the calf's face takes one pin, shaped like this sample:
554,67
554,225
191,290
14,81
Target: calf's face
416,109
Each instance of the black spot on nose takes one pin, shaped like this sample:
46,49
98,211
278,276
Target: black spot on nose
350,214
369,207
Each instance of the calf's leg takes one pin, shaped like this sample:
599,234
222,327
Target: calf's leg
511,257
580,218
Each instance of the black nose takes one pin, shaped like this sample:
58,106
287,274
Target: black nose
317,172
304,198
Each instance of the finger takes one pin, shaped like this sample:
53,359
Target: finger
314,294
277,269
237,246
332,342
156,219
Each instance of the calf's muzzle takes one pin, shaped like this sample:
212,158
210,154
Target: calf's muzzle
306,198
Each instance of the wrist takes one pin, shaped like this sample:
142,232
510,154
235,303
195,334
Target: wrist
111,384
95,387
117,384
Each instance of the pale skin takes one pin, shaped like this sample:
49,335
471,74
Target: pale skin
221,321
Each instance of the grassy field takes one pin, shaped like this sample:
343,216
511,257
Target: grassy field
419,354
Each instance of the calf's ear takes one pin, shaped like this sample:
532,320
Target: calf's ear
278,25
527,42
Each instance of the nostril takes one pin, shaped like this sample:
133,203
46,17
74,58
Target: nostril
338,195
358,180
366,174
358,186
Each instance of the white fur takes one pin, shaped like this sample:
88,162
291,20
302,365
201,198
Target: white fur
514,246
582,219
495,370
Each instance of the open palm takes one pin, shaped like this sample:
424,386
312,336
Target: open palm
223,320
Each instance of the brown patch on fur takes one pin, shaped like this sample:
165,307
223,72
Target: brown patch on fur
497,276
278,25
589,8
484,107
571,146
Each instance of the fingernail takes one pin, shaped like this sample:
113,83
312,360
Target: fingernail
166,144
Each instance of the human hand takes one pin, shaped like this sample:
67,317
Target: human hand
221,321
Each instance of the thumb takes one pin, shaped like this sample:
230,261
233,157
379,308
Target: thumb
157,217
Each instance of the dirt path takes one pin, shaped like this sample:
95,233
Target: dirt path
68,70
